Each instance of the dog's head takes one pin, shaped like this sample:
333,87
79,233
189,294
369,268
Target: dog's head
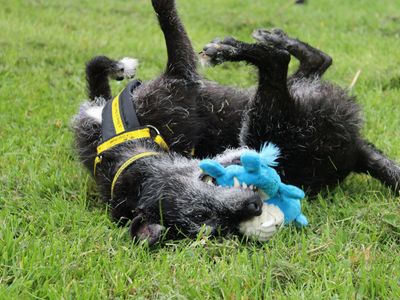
177,198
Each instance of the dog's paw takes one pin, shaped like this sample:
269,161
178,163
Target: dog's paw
275,37
125,68
160,5
217,51
129,66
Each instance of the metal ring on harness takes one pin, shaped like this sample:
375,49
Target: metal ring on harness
154,128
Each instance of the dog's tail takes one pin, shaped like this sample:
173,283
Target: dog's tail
374,162
100,68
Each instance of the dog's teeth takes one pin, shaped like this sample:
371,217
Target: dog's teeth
251,187
263,195
236,182
244,185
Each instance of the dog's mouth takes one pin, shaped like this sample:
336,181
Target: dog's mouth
236,183
208,179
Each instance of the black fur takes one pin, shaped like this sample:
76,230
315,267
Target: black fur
316,124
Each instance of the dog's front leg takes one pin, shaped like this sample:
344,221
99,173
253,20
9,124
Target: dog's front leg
100,68
181,56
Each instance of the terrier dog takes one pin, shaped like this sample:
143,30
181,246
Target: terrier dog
315,124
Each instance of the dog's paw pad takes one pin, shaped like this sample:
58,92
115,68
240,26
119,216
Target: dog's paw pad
275,36
216,51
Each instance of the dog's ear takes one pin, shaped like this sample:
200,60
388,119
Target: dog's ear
141,230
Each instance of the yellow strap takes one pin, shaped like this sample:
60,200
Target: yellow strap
97,160
160,141
119,139
126,165
116,116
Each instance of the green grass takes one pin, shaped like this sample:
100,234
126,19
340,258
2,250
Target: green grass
56,239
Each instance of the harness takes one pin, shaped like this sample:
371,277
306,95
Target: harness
119,125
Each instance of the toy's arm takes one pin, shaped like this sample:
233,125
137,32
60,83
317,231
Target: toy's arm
290,191
301,220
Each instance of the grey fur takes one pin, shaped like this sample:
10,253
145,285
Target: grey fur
166,189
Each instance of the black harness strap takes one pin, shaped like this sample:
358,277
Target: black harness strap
126,111
120,124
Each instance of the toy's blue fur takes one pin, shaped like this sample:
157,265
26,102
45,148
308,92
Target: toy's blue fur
256,169
288,200
269,154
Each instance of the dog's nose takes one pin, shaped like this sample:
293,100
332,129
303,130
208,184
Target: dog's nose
254,206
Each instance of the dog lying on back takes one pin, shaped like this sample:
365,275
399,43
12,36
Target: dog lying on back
314,123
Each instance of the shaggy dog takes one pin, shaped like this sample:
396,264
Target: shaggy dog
315,124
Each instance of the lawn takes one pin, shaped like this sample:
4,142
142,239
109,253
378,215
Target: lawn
56,237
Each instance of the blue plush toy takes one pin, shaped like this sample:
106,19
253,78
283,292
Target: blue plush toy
257,171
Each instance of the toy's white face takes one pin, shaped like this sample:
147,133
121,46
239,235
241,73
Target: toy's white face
263,227
254,177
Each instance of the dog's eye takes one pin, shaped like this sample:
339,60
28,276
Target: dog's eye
200,217
208,179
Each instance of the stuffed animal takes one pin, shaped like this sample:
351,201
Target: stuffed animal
282,202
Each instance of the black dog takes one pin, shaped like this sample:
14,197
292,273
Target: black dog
315,124
196,116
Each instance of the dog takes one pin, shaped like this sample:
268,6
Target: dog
315,123
158,190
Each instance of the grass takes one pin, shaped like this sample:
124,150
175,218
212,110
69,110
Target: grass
56,239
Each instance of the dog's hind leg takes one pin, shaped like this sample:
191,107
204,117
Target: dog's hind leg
375,163
100,68
272,63
272,95
181,56
313,62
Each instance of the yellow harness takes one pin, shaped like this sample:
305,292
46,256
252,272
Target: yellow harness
119,125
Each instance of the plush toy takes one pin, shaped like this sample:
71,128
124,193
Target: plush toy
282,201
